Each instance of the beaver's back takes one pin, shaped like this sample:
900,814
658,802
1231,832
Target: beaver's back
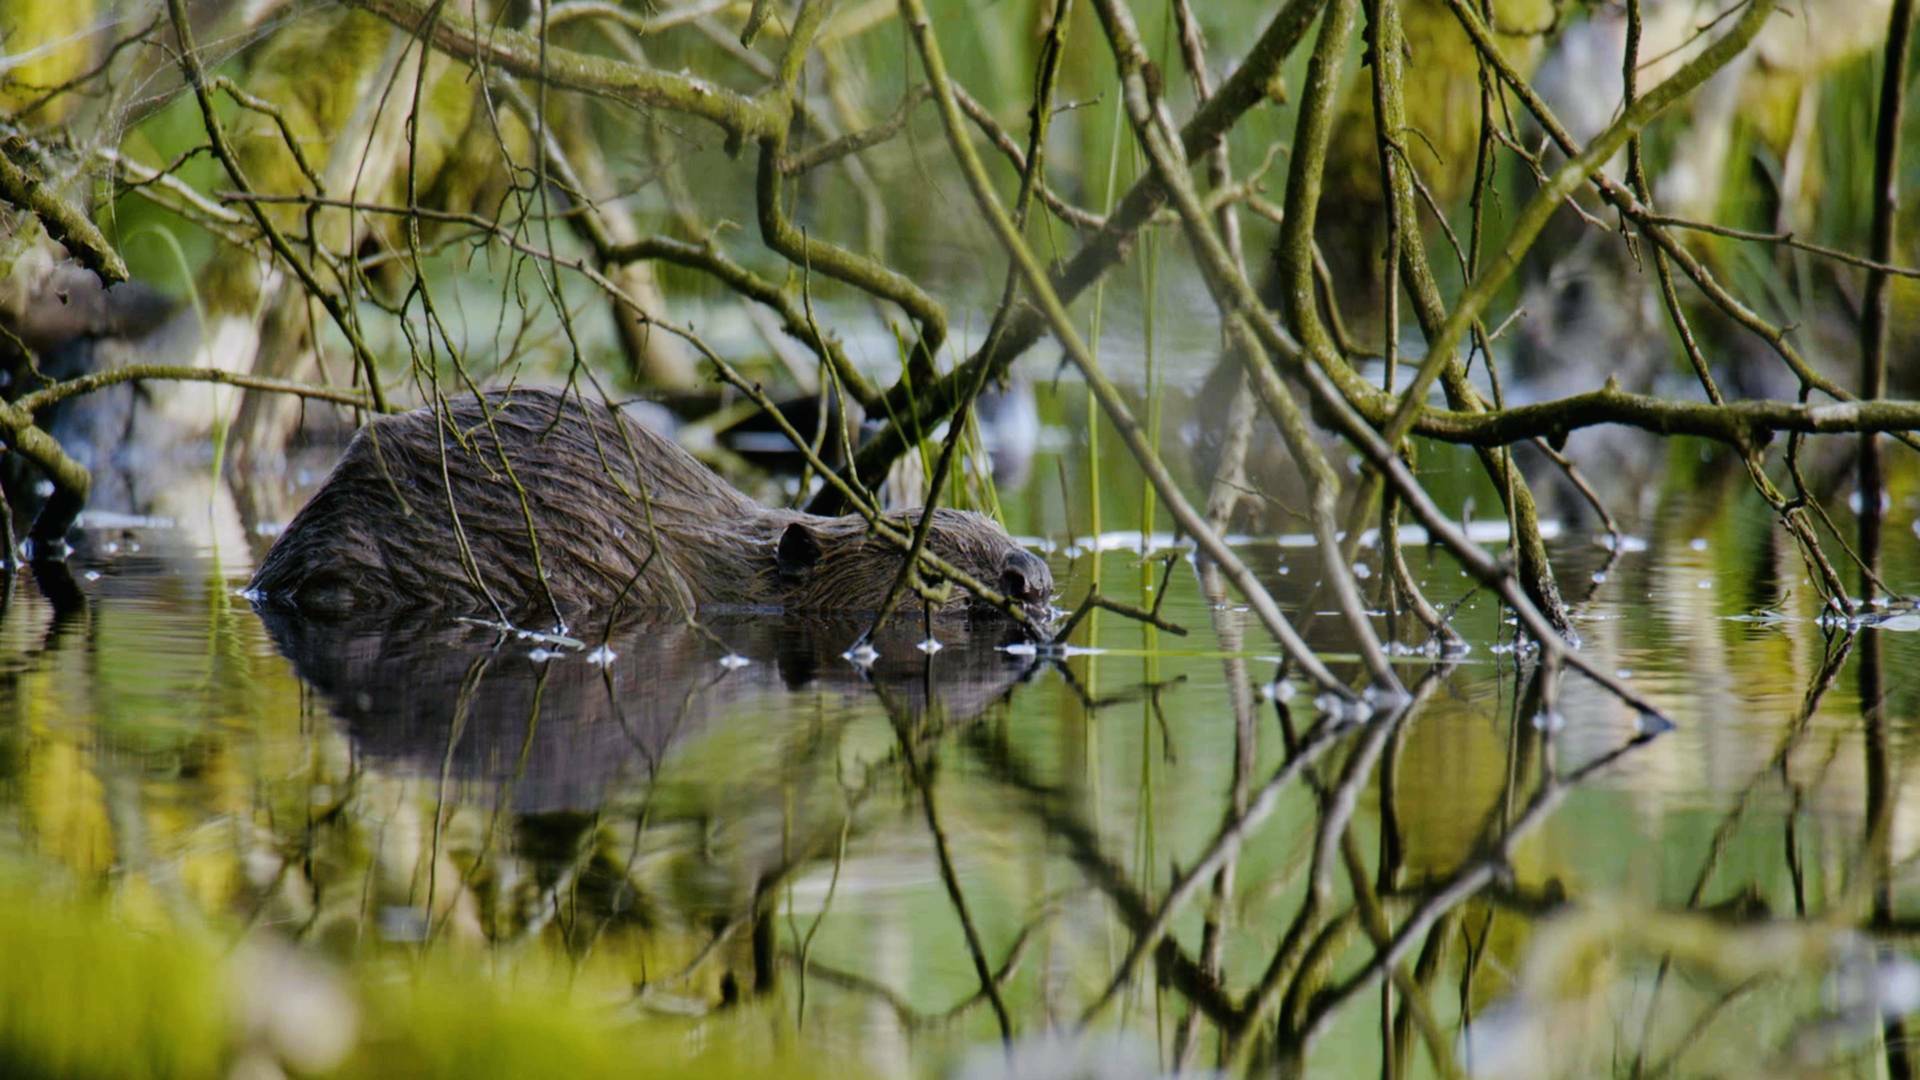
424,510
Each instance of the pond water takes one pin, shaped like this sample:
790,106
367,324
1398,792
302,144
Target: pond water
737,833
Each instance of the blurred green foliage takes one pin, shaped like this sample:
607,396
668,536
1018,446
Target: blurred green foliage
87,993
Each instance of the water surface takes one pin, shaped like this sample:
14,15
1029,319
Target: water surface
734,819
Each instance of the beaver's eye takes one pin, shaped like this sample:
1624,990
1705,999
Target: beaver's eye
797,553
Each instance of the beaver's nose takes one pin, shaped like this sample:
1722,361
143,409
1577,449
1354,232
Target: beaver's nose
1025,579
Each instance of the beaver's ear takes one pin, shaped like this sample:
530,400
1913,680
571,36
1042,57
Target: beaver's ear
798,551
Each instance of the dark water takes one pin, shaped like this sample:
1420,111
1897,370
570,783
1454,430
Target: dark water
734,820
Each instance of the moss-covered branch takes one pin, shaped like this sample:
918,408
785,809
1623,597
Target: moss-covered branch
1430,309
1643,217
47,396
1564,182
71,481
863,273
740,116
63,221
1306,169
1744,424
707,257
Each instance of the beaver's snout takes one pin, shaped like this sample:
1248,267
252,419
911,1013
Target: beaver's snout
1026,580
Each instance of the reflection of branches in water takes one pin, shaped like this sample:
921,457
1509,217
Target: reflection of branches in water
1106,874
1293,981
806,940
1882,799
1152,692
1224,846
1463,884
1776,766
920,771
1298,960
462,707
1305,994
1368,939
903,1009
1215,925
1316,936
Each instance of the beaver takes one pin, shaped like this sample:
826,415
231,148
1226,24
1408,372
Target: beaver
423,511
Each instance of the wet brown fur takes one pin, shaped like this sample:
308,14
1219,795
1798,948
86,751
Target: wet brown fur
590,477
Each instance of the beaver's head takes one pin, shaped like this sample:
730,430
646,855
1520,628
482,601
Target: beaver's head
827,564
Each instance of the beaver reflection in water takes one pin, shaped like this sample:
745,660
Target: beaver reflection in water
599,488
